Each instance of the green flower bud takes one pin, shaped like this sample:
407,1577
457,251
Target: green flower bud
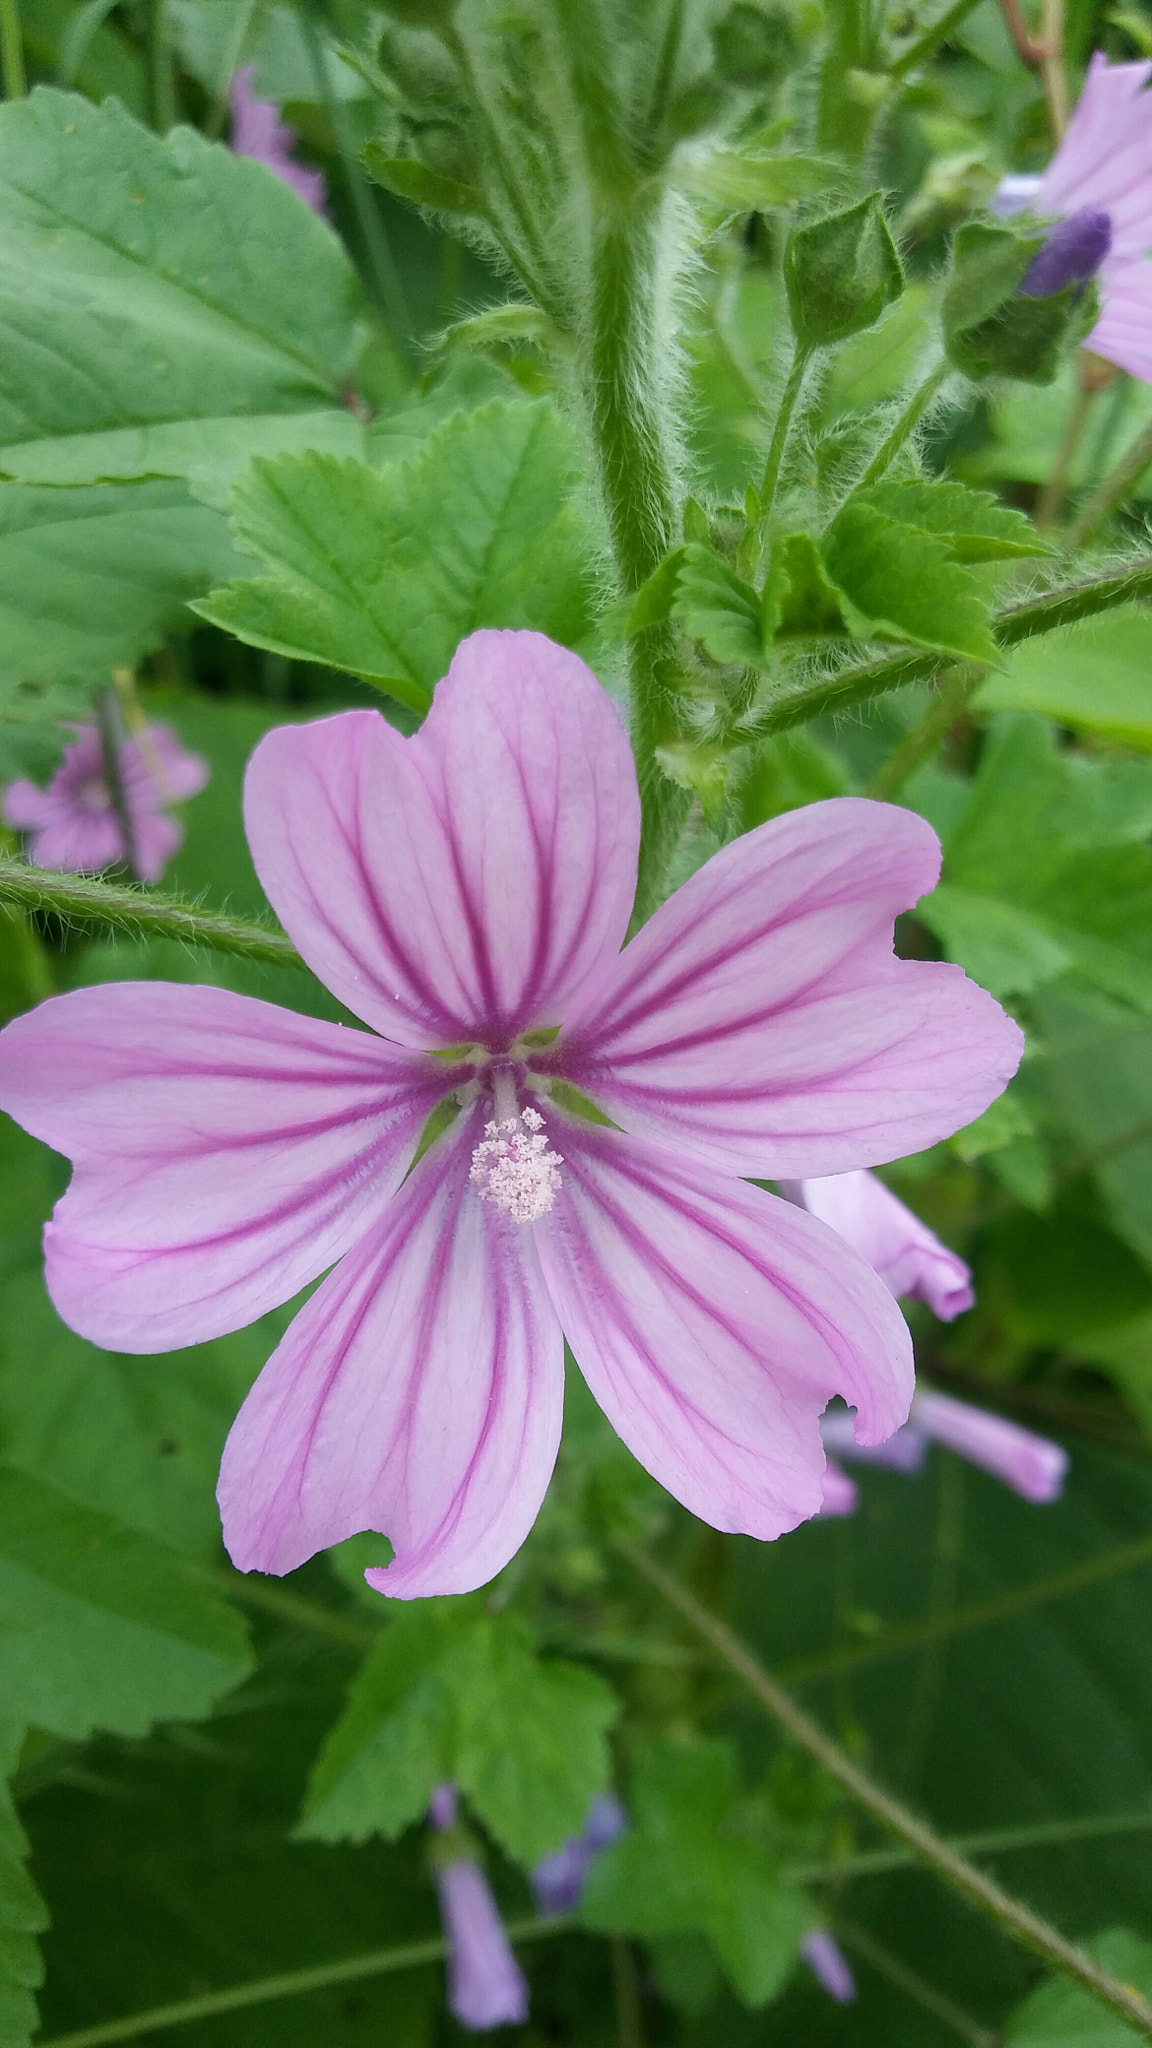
841,273
991,327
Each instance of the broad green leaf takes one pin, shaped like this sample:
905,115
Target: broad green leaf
94,578
384,573
684,1867
1061,2015
715,606
1095,677
902,584
999,945
973,524
188,302
410,179
22,1912
101,1627
452,1693
801,602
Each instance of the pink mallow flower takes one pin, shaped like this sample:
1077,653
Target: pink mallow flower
72,825
486,1986
258,132
1031,1465
1098,186
825,1958
908,1257
466,893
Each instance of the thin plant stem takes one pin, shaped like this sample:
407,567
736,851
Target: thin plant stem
1046,1834
904,427
12,51
290,1984
626,1985
78,899
108,725
1016,1920
254,1591
914,1986
975,1614
385,276
1050,503
930,40
161,92
1112,491
789,399
918,744
1053,76
856,682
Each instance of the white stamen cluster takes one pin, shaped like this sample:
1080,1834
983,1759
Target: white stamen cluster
513,1167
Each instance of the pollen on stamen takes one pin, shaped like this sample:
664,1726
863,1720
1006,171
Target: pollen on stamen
514,1167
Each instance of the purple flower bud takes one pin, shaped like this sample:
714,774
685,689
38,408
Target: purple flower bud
1072,254
908,1257
442,1807
828,1965
558,1880
486,1986
1029,1464
841,1494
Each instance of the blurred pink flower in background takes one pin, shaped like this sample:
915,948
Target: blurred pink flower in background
258,132
486,1986
558,1880
466,893
72,826
1099,185
909,1258
826,1960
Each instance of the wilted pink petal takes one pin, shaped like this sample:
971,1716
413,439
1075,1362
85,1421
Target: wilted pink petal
841,1494
461,884
258,132
713,1322
826,1960
558,1880
72,824
418,1392
1029,1464
226,1151
486,1986
908,1257
1104,165
760,1022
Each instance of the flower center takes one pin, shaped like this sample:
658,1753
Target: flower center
514,1167
93,796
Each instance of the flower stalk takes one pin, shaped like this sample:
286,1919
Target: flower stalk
78,899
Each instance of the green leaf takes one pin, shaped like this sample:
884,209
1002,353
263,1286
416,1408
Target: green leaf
902,584
1097,1077
754,181
22,1912
653,601
973,524
410,179
801,602
172,270
990,328
453,1693
999,945
684,1868
94,578
1095,677
383,573
101,1627
715,606
1061,2015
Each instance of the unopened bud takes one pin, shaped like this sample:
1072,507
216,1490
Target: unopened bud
841,273
995,321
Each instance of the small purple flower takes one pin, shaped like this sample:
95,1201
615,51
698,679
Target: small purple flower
908,1257
486,1986
71,825
466,893
258,132
827,1963
1098,186
558,1880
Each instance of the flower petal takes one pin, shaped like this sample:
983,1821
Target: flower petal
157,769
909,1257
26,808
713,1323
418,1393
761,1021
157,837
76,842
226,1151
458,885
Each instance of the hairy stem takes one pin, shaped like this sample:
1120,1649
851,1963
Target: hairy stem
1112,491
78,899
1050,503
289,1984
12,50
905,426
108,726
857,682
929,42
789,398
1016,1919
